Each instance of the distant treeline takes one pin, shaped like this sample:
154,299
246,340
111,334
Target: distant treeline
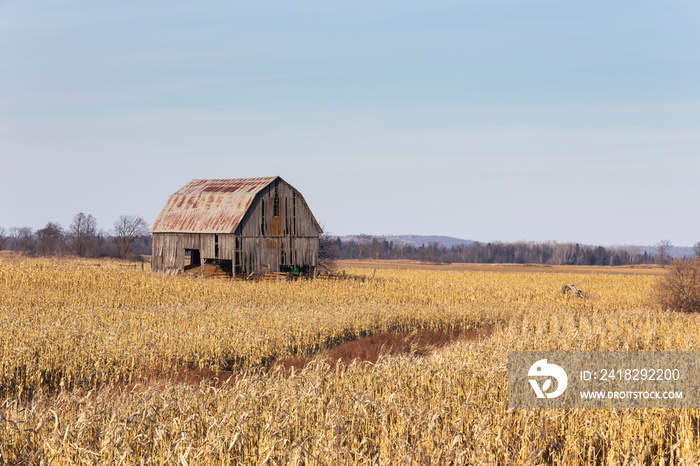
496,252
128,238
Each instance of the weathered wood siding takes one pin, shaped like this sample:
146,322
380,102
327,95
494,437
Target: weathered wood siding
294,216
268,254
168,253
289,238
227,247
169,249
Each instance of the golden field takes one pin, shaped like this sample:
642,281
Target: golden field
92,354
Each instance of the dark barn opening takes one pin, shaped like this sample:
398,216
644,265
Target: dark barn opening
195,257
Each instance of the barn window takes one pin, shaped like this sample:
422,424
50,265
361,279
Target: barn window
276,207
294,212
262,216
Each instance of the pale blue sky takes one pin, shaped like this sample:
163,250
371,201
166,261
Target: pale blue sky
486,120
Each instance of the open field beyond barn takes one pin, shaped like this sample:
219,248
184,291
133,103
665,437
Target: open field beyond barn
105,363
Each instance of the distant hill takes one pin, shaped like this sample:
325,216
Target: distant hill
677,252
416,240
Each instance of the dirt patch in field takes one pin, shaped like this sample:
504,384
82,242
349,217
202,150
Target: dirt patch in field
369,349
366,350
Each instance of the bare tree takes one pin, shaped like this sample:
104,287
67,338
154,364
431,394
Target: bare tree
100,240
50,239
14,234
663,247
362,241
376,247
126,230
2,237
564,254
696,249
83,231
396,248
432,251
25,240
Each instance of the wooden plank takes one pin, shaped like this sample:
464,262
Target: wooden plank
207,245
227,247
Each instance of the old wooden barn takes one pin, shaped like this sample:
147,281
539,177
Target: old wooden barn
246,226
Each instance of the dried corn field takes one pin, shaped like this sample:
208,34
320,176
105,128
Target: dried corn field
92,360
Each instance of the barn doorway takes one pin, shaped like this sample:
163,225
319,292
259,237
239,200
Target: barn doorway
195,258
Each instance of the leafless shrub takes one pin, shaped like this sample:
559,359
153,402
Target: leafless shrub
327,253
679,289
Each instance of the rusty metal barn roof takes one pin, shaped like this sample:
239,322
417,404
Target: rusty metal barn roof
209,206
